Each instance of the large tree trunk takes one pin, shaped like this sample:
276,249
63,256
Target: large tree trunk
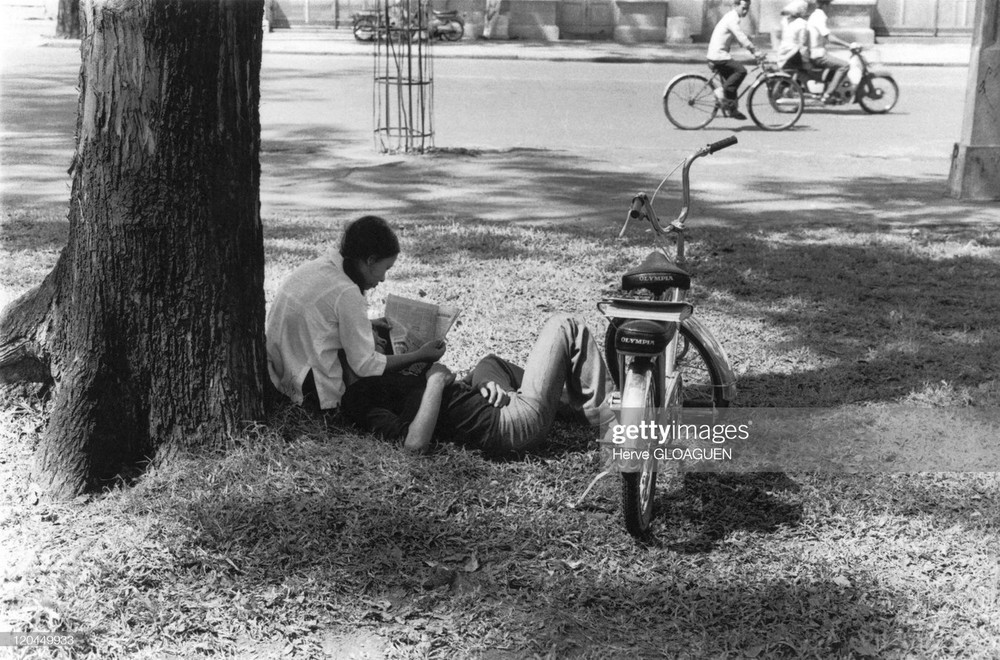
68,19
152,321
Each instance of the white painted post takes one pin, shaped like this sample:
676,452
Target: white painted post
975,161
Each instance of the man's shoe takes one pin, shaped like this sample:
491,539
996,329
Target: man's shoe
736,114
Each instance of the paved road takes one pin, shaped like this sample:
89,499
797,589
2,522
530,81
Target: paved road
578,105
591,118
612,113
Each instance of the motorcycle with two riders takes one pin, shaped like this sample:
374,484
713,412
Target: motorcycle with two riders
874,90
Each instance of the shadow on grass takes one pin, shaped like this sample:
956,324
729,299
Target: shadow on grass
709,508
697,617
444,542
862,300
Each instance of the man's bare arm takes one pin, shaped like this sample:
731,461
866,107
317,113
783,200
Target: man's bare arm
421,430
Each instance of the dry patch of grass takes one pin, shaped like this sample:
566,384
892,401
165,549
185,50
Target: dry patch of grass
308,541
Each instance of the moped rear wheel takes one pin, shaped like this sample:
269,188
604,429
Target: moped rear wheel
639,405
878,94
689,101
775,102
701,373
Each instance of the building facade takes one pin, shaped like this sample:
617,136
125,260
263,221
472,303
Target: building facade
656,20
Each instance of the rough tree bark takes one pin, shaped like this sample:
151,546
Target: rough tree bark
68,19
151,324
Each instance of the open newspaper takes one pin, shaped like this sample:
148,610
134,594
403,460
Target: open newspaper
413,323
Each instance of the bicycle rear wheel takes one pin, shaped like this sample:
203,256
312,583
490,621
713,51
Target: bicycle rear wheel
639,405
775,102
689,101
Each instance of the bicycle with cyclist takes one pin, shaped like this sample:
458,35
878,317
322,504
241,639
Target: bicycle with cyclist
720,59
774,98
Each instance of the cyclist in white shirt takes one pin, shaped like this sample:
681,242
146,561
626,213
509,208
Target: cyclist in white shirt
819,37
720,60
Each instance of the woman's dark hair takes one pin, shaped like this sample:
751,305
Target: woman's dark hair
368,237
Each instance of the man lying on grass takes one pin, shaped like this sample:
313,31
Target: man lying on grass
499,407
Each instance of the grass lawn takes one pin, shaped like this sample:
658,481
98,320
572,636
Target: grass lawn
305,541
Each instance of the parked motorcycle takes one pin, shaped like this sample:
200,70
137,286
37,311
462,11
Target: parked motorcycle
365,25
875,91
446,25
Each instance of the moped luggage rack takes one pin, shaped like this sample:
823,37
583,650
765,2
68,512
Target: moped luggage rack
655,310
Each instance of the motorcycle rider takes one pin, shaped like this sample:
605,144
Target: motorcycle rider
720,60
793,49
819,37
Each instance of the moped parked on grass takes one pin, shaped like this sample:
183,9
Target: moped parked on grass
875,91
662,359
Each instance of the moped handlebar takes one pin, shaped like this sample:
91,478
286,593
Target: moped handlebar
722,144
642,207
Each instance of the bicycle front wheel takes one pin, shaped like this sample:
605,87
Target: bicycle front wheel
689,101
878,94
775,102
638,488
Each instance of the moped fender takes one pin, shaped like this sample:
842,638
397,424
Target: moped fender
702,334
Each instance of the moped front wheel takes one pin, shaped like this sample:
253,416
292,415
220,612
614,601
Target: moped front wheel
775,102
639,404
689,101
878,94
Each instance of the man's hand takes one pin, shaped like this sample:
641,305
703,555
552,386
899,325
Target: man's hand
432,351
495,395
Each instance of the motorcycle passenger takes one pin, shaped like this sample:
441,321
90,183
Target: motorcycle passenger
819,37
720,60
793,49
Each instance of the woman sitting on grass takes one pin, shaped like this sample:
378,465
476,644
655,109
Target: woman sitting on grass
318,330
